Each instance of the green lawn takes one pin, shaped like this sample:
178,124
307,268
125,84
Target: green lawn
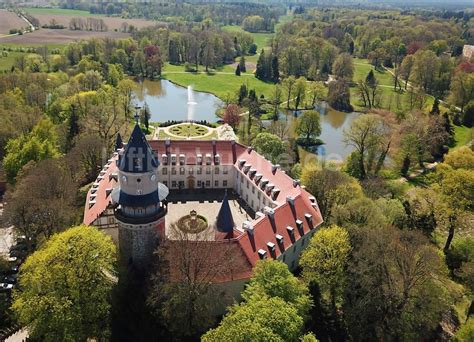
261,39
60,11
390,98
362,68
6,63
32,45
217,84
463,135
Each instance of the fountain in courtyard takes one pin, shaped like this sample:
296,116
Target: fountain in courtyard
191,104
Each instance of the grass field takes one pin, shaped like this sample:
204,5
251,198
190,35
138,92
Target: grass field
60,11
391,99
218,84
261,39
6,63
463,135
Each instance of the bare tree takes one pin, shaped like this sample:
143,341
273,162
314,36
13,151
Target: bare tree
183,293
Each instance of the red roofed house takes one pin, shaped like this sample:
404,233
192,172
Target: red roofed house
128,200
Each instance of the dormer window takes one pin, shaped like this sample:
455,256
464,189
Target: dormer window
164,159
208,159
182,159
217,159
262,253
199,159
173,159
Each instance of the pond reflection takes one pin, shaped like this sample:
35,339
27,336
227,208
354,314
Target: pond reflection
168,101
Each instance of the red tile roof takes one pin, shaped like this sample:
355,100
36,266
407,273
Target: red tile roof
264,231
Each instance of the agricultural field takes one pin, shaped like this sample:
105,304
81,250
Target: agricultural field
9,20
57,37
64,16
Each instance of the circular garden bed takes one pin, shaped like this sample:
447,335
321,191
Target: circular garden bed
192,223
189,130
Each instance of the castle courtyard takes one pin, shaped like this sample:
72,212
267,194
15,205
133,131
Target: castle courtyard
206,203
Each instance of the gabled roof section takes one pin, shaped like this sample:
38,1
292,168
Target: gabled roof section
225,221
138,156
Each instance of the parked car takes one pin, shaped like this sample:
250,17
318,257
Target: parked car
4,287
18,253
10,279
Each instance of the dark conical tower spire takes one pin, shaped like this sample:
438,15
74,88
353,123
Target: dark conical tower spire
118,142
138,156
225,221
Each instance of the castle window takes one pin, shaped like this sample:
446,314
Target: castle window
181,184
253,189
199,183
199,170
164,171
248,184
173,170
224,183
208,170
181,170
173,184
165,183
225,171
208,183
216,183
259,195
216,170
190,171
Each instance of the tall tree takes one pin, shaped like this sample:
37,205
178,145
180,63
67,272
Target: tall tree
232,115
41,143
288,84
325,260
274,306
370,137
65,287
343,67
260,72
309,125
42,203
182,294
270,146
242,66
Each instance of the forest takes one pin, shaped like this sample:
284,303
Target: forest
394,259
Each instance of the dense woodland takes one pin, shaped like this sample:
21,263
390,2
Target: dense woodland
394,260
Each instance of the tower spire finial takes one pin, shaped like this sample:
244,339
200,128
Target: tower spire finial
137,116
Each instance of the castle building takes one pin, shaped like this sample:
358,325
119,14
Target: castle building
128,200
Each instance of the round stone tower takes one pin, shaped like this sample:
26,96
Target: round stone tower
139,213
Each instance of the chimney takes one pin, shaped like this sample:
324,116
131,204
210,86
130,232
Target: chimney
299,225
309,219
248,227
269,212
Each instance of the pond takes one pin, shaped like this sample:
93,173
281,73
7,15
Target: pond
168,101
333,124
